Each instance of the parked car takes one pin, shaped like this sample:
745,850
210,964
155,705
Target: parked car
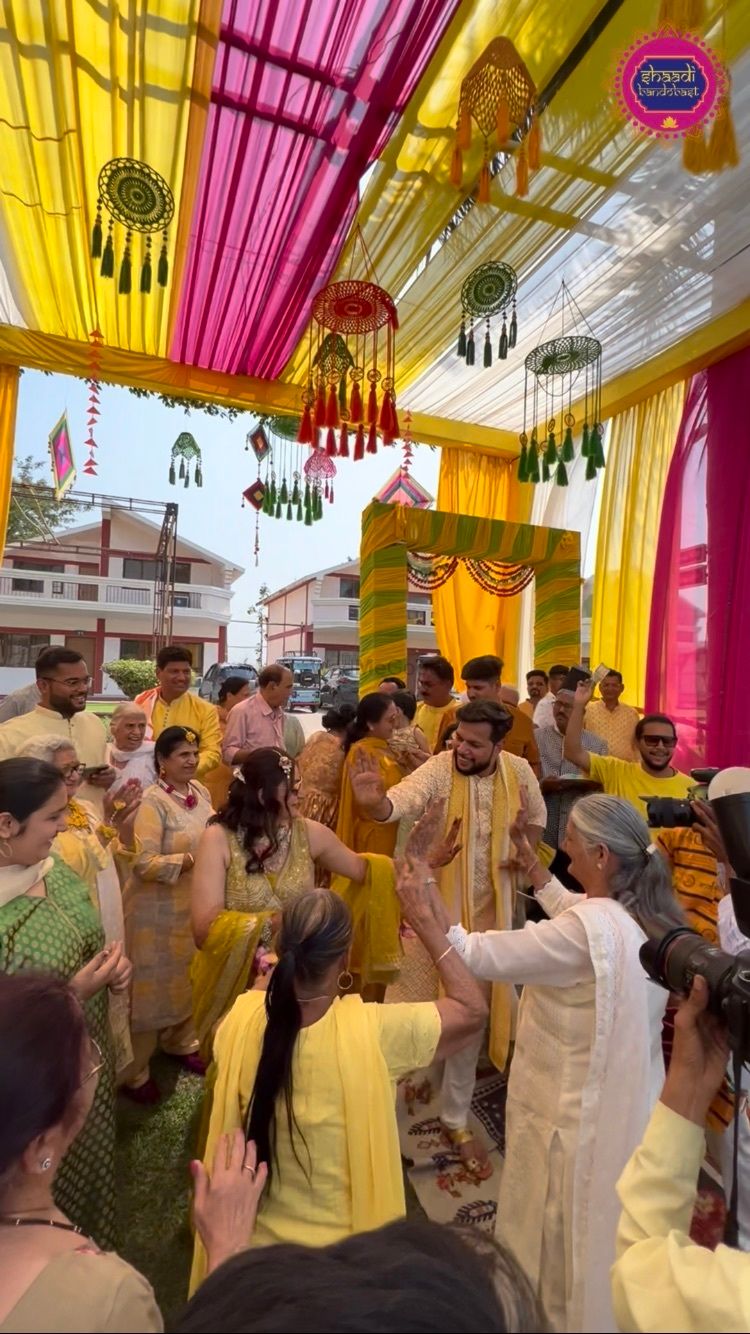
341,686
208,685
306,672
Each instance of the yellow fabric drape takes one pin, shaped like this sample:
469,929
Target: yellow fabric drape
354,830
469,621
81,84
640,448
9,377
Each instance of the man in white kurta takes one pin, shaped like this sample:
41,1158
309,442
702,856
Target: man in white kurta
481,785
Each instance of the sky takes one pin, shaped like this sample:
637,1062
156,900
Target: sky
135,438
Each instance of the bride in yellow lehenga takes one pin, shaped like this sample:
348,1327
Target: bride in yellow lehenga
254,858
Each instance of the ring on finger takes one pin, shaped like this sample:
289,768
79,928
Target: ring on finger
248,1167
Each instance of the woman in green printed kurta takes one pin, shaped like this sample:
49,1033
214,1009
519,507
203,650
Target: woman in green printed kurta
47,921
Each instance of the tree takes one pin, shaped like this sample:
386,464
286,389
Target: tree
260,611
132,675
34,512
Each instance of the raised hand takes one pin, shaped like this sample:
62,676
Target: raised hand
427,833
367,781
584,691
445,850
525,856
226,1203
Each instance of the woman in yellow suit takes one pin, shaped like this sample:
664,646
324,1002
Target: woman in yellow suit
369,734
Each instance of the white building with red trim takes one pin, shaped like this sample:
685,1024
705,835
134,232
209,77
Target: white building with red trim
92,589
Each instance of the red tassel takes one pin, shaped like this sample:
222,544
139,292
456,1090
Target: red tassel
355,404
330,496
372,440
372,405
359,444
320,405
344,442
332,407
331,443
305,432
395,427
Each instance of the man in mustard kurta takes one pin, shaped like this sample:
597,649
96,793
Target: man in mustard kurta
171,704
437,707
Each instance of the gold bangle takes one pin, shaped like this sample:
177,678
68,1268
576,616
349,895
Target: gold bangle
442,956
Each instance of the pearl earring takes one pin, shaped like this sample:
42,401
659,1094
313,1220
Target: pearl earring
45,1164
599,865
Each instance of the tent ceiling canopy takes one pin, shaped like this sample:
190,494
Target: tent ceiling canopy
284,127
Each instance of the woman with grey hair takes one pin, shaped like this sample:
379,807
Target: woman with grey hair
129,754
587,1066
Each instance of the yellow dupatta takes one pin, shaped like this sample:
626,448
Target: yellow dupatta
456,880
220,969
373,1152
376,919
355,830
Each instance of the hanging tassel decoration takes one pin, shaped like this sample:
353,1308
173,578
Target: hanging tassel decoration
330,494
461,345
326,489
502,347
182,469
523,461
96,233
590,469
535,144
470,348
513,330
305,432
332,408
483,194
533,460
596,447
567,453
502,122
561,475
187,478
359,444
342,395
308,516
146,268
319,420
550,454
463,131
289,510
284,492
487,348
721,149
124,284
344,442
107,269
694,151
198,475
162,272
331,443
546,474
355,409
173,475
372,440
585,441
277,511
295,491
372,404
300,515
522,173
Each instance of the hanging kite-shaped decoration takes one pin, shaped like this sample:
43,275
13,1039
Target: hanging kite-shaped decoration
319,471
137,197
187,451
560,374
255,496
94,384
257,440
407,447
498,94
355,359
61,457
487,291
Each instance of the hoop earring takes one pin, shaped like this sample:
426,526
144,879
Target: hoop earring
345,985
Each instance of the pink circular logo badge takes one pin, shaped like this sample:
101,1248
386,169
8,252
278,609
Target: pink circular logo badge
667,84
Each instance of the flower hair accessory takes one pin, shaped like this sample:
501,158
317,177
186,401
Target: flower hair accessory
285,764
191,736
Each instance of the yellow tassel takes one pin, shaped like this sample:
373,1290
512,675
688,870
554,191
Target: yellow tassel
721,149
672,14
695,16
502,122
457,166
535,144
522,172
694,151
483,195
463,133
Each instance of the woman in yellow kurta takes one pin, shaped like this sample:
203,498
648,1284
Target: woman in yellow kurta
312,1076
370,734
255,858
99,851
168,826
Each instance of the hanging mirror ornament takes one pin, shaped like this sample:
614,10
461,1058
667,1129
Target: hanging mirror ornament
257,440
560,373
187,451
487,291
352,345
498,94
137,197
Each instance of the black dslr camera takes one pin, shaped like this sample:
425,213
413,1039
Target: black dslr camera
680,954
677,812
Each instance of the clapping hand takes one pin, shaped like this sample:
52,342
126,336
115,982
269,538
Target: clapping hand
367,781
226,1203
416,887
526,856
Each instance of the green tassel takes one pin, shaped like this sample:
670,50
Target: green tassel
295,492
277,511
162,273
308,516
289,510
568,452
284,492
550,454
533,461
487,350
590,469
274,493
597,447
585,441
470,350
198,476
187,478
308,495
461,345
126,273
267,508
107,269
182,469
300,515
561,475
502,348
146,274
545,471
96,237
172,474
523,464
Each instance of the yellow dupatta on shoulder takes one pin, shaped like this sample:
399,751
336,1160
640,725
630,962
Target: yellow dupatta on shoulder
373,1152
355,830
456,881
220,970
376,920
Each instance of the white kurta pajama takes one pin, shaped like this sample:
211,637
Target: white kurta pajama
586,1072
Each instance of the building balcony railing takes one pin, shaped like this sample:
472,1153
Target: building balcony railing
135,595
327,613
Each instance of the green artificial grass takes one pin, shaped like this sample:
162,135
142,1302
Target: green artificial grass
153,1152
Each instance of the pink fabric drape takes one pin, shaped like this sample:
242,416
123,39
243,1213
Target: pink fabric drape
305,96
728,497
676,673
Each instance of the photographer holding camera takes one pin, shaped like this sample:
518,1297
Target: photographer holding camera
661,1279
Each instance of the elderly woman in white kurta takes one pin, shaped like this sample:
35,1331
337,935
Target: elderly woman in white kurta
587,1066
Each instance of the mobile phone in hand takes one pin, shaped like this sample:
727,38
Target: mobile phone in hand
93,770
599,673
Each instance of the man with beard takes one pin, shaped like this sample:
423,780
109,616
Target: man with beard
652,775
64,682
484,788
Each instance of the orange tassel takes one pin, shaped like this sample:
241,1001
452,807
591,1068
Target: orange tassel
457,166
463,131
332,407
721,149
535,144
522,173
483,194
502,123
355,403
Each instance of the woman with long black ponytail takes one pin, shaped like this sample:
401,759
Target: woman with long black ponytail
309,1071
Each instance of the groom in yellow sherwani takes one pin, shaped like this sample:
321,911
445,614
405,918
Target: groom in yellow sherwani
481,784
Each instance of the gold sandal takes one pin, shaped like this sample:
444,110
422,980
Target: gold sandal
480,1169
